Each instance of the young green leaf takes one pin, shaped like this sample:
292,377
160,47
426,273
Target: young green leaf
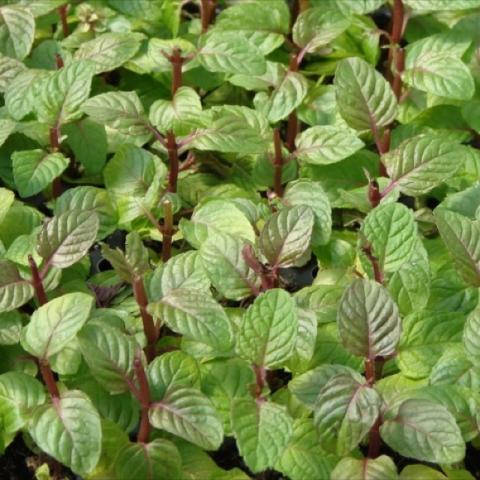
364,98
9,70
66,238
187,413
34,170
14,290
55,324
262,430
381,468
368,320
197,316
69,431
425,431
269,329
17,31
286,236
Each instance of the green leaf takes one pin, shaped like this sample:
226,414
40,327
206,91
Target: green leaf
9,70
150,461
303,458
187,413
284,99
34,170
222,259
20,94
109,354
317,27
90,199
181,271
422,162
6,201
121,111
471,336
286,237
326,144
262,430
425,336
60,95
88,141
181,114
6,128
345,410
66,238
172,369
381,468
441,5
425,431
10,327
269,329
109,50
368,320
233,129
391,231
69,431
462,238
365,99
263,25
311,194
305,342
53,325
17,31
14,290
197,316
228,52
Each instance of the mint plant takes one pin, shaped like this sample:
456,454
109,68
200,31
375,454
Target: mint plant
239,239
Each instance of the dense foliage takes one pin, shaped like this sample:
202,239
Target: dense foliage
240,239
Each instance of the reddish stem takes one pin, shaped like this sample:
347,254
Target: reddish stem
374,439
377,271
148,323
277,163
144,398
374,195
260,380
176,61
59,61
62,11
268,278
172,149
48,378
167,231
207,13
37,282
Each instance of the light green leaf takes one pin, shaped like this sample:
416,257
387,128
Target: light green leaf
34,170
6,201
181,271
60,95
365,99
368,320
442,75
172,369
228,52
462,238
181,114
66,238
233,129
345,410
317,27
189,414
122,111
17,31
14,290
53,325
10,326
303,459
425,336
380,468
286,236
20,94
422,162
391,231
269,329
6,128
109,354
262,430
441,5
197,316
326,144
222,259
311,194
150,461
69,431
358,7
88,141
90,199
471,336
109,50
425,431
